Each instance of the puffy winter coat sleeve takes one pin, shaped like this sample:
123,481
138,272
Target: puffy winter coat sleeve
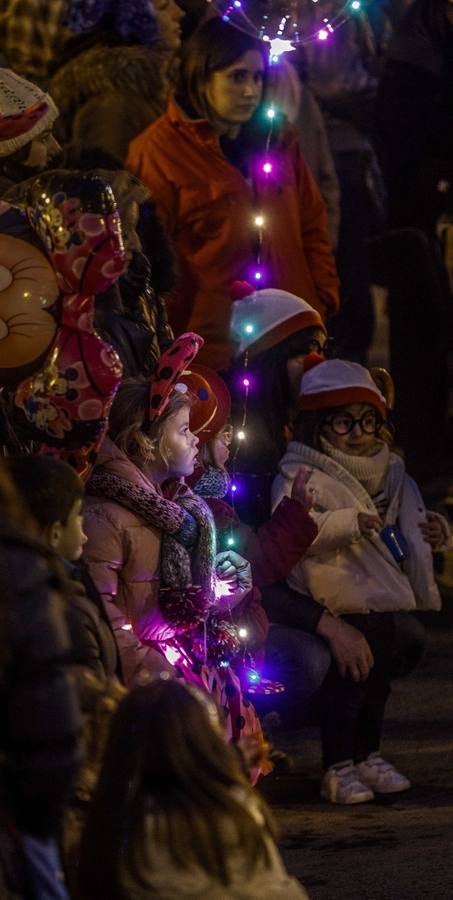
315,236
40,717
105,555
336,528
280,542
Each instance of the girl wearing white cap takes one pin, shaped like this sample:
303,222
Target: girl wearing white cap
273,330
370,565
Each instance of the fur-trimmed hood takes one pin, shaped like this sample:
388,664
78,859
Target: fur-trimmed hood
125,85
101,69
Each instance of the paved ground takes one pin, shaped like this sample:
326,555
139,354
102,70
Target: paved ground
393,849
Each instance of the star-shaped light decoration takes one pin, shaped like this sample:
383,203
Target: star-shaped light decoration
278,46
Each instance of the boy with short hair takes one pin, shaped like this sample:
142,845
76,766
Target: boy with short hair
53,493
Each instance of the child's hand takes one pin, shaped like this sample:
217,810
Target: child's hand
432,530
235,575
300,491
368,524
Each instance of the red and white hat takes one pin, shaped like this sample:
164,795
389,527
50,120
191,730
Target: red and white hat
26,111
336,382
261,319
211,401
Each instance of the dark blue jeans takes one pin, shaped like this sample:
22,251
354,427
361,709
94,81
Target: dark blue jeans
301,661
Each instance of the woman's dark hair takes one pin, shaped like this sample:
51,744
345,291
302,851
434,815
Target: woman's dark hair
307,426
272,388
166,760
13,166
214,46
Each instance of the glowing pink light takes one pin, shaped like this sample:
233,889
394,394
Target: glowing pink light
172,655
323,34
246,382
267,168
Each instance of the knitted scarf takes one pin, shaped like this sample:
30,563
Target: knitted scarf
179,568
213,483
370,471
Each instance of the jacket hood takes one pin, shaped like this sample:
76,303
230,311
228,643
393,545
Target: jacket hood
113,459
102,69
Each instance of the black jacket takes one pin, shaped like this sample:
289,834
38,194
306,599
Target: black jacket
39,713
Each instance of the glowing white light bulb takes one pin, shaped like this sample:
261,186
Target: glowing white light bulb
241,435
243,633
259,221
248,328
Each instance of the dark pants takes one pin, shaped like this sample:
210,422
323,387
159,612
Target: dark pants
353,713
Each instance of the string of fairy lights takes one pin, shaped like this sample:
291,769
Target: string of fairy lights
283,34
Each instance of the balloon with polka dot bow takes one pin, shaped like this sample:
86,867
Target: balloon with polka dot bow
66,404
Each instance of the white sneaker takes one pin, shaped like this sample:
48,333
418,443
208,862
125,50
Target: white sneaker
381,776
342,784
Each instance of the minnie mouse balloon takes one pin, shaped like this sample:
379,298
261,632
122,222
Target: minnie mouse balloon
28,295
67,403
76,217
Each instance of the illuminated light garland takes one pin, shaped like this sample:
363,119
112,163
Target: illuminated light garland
235,12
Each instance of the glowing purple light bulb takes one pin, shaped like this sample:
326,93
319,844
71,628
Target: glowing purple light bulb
323,34
267,168
234,488
246,382
257,275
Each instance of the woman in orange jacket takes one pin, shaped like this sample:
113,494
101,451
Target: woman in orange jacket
234,190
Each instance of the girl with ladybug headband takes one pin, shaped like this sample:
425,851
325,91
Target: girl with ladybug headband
151,547
278,543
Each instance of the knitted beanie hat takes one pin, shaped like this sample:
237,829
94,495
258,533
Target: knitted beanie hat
25,112
335,382
262,319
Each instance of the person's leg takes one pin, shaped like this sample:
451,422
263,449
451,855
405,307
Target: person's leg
396,641
301,661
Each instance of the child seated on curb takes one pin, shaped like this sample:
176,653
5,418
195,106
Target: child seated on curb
370,564
53,493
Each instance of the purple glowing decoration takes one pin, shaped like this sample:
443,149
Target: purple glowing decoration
323,34
267,166
246,382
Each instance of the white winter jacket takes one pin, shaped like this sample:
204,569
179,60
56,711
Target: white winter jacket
342,569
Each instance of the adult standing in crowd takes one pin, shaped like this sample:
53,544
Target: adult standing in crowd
114,77
230,197
32,34
415,129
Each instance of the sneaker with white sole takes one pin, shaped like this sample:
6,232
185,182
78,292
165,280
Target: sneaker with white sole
381,776
342,784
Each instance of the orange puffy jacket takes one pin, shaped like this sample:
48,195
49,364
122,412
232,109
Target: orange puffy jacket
208,207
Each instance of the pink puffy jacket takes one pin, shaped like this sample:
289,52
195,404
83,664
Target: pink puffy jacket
123,554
